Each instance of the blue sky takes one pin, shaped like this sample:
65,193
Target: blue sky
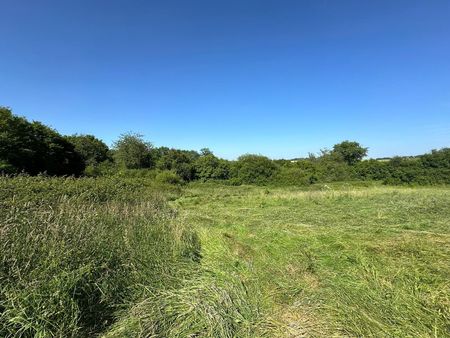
281,78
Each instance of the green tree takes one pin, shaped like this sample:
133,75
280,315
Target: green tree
437,159
92,150
208,166
205,151
35,148
350,152
132,152
179,161
254,169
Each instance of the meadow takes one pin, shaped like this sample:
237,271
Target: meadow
334,260
94,257
134,257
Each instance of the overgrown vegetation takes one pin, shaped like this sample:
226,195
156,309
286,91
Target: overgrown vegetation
140,241
81,254
34,148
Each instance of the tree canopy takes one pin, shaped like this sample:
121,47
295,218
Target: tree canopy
35,148
132,152
252,168
350,152
208,166
92,150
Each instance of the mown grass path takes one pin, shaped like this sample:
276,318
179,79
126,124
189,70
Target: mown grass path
345,261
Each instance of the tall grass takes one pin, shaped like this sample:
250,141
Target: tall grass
119,257
78,255
205,306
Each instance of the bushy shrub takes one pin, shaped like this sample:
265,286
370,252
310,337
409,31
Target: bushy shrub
131,151
372,170
168,177
331,171
209,167
292,176
436,159
136,173
253,169
179,161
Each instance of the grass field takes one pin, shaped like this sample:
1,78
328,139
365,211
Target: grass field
130,257
341,260
108,257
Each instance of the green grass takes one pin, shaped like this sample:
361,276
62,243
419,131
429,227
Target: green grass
341,260
73,252
131,257
107,257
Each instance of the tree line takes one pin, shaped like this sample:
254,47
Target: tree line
33,148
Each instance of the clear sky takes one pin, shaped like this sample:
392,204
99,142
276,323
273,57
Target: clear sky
281,78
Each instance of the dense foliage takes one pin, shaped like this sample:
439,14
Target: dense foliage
132,152
350,152
179,161
91,149
106,255
253,169
35,148
210,167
